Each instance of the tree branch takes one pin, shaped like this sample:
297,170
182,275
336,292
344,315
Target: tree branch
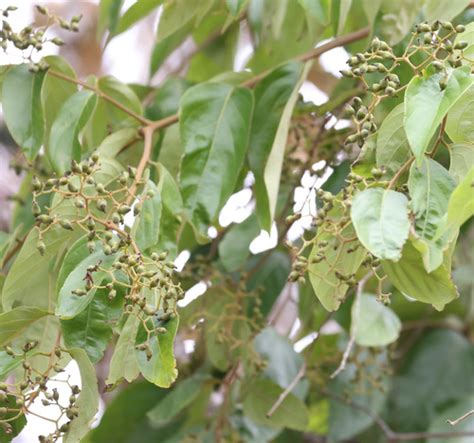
111,100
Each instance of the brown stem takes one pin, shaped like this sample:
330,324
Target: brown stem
313,53
111,100
403,168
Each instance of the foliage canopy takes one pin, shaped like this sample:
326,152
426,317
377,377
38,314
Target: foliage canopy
120,179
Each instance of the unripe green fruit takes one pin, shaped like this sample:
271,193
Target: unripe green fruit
101,205
41,247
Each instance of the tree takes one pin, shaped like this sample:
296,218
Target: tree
118,180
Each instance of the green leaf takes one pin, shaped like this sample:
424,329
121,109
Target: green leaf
64,138
109,14
376,324
275,98
270,279
428,367
426,105
439,423
283,362
180,13
55,91
180,397
234,247
344,8
161,368
139,10
316,9
461,204
397,19
30,280
345,421
261,395
381,221
409,276
460,121
14,322
392,145
172,208
214,126
164,47
124,363
91,330
72,275
125,420
22,109
235,6
430,186
88,400
439,10
323,274
146,228
462,160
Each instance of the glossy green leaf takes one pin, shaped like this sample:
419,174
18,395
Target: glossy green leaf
73,276
426,105
88,400
234,247
30,281
439,10
409,276
64,138
124,363
146,228
22,108
275,97
165,46
14,322
214,125
392,145
55,91
329,289
460,121
161,368
140,9
181,396
262,394
376,324
462,160
91,330
381,221
430,186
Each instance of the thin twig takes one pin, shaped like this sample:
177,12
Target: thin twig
101,94
391,435
354,324
287,391
402,169
463,417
